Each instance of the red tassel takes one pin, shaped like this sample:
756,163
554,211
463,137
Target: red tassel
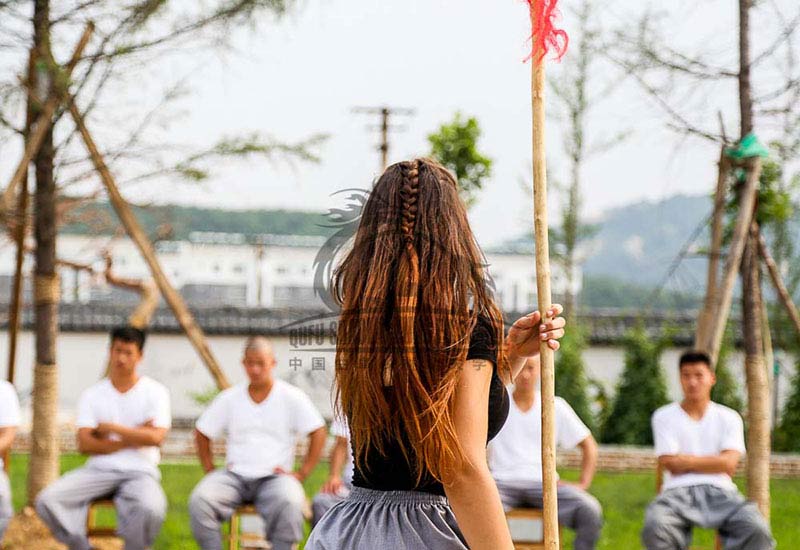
545,35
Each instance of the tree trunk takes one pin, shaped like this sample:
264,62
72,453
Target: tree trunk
758,433
44,436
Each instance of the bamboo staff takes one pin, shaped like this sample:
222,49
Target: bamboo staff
544,35
43,123
138,236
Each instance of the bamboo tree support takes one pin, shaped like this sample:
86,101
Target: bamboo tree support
712,281
147,290
777,282
15,307
547,356
138,236
769,351
724,298
43,123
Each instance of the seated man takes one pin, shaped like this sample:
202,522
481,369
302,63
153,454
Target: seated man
122,420
699,443
338,485
515,459
262,420
9,420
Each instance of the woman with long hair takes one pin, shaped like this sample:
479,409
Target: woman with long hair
421,364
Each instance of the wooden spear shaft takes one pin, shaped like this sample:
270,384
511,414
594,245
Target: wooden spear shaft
139,237
549,476
42,124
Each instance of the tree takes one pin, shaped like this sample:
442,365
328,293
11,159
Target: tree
455,146
787,433
575,91
640,391
133,39
571,382
44,436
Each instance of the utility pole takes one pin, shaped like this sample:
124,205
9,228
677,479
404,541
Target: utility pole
385,113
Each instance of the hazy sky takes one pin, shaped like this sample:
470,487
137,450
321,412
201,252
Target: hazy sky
303,74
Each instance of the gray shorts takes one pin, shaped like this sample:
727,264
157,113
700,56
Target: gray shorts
401,520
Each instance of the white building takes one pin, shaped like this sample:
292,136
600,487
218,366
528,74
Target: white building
231,269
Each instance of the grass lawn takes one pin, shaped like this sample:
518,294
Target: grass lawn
623,496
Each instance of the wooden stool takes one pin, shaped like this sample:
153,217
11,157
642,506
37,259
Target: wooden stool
252,540
527,528
659,483
236,537
94,530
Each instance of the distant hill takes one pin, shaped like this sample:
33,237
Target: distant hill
638,243
99,218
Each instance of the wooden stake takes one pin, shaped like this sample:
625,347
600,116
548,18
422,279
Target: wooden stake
777,281
707,314
138,236
15,308
42,125
549,476
724,297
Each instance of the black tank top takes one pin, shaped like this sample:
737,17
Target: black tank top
392,472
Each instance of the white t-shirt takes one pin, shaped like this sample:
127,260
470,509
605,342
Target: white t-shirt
147,400
9,408
675,432
339,429
515,454
260,436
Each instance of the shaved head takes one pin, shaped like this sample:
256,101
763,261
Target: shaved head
259,361
257,343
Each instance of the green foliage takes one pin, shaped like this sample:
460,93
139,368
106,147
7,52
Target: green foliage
787,434
455,146
571,382
205,396
774,200
726,390
640,391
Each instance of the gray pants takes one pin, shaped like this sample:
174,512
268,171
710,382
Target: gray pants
138,497
671,516
6,511
279,499
323,502
577,509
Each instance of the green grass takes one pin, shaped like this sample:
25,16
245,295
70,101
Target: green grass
623,496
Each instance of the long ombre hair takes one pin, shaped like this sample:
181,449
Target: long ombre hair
410,291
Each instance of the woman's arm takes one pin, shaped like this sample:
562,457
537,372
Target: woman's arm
527,333
472,491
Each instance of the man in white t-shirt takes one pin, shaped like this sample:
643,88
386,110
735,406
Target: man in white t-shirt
262,421
9,420
339,482
515,459
122,420
699,443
